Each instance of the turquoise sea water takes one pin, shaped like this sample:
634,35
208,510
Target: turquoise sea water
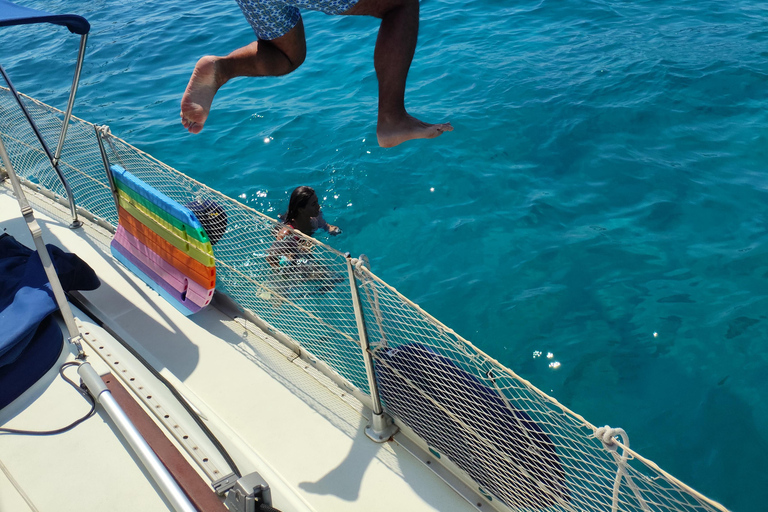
602,198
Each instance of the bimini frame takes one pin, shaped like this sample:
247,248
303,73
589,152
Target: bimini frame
12,14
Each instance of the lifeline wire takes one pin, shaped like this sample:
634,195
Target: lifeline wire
323,324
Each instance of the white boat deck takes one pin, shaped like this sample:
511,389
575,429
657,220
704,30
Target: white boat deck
57,472
273,414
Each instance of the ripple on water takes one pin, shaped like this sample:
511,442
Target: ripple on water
605,181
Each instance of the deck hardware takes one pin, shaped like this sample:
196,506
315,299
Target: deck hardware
248,494
77,342
225,483
138,444
381,427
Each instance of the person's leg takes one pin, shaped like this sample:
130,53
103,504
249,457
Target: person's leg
392,57
277,57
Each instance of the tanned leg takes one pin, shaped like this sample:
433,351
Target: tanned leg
392,58
260,58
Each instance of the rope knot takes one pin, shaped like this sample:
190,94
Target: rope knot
362,261
104,131
607,434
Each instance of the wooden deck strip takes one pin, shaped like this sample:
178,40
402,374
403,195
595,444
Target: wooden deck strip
198,492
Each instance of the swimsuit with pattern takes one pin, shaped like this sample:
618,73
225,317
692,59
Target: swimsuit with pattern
271,19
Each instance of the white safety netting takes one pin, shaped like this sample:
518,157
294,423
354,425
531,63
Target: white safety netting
514,444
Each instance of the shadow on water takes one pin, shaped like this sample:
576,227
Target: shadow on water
740,451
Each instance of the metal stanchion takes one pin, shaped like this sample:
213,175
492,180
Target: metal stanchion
382,427
101,132
71,102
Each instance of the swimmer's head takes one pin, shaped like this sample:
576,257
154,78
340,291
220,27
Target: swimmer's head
302,198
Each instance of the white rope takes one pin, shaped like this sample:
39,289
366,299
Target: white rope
606,435
18,488
106,134
104,131
372,293
362,261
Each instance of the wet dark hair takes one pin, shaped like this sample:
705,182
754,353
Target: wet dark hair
299,199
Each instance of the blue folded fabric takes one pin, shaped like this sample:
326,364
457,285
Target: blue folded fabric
40,354
20,266
501,447
20,320
26,303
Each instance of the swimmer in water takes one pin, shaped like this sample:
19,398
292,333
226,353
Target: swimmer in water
303,215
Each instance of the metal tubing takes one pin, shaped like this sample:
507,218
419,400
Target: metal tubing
363,334
105,161
72,93
382,427
373,298
154,467
72,208
42,251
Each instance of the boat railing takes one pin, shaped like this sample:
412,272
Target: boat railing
506,439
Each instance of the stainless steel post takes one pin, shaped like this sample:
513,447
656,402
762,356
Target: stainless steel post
72,94
143,451
105,160
42,251
72,208
382,427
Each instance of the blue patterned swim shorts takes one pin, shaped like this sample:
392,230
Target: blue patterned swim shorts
271,19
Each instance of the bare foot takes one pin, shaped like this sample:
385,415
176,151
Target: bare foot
391,134
197,99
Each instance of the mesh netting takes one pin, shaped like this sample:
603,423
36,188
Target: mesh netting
496,426
518,446
297,285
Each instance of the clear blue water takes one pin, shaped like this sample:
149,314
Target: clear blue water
606,181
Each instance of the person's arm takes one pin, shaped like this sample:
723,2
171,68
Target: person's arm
333,230
322,224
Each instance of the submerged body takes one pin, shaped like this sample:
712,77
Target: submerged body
303,215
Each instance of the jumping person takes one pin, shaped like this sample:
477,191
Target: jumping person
281,48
